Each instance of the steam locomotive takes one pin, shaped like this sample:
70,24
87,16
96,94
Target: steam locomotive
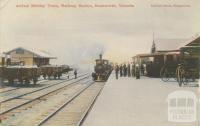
102,70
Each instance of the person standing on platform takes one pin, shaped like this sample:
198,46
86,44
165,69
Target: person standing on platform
137,71
116,71
121,70
129,70
142,69
133,70
124,70
75,73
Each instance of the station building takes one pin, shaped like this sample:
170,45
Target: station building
29,57
167,51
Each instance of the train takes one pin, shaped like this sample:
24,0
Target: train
26,74
102,70
23,74
54,71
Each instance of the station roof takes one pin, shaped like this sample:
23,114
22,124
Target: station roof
148,55
36,52
176,44
193,42
155,54
169,44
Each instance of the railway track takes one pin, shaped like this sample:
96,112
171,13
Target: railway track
74,110
11,104
31,101
42,104
78,97
8,89
7,96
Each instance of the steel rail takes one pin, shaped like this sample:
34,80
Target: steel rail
40,81
9,99
40,97
64,104
87,111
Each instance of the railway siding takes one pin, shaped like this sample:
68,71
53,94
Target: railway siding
41,82
9,91
24,91
39,111
75,112
8,107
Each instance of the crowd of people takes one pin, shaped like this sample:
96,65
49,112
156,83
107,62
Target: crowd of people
129,70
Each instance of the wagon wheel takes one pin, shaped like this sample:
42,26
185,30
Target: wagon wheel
180,75
164,74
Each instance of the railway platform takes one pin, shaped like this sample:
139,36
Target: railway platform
145,102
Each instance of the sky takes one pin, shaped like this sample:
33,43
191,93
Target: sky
79,35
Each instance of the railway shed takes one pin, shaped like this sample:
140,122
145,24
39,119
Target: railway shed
30,57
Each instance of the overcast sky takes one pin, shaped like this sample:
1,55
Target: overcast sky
78,35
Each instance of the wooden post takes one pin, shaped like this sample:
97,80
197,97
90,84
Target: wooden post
1,70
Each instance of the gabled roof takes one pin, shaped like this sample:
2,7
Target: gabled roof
195,41
36,52
172,46
149,54
176,44
169,44
156,54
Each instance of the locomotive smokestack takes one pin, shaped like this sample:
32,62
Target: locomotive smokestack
100,56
